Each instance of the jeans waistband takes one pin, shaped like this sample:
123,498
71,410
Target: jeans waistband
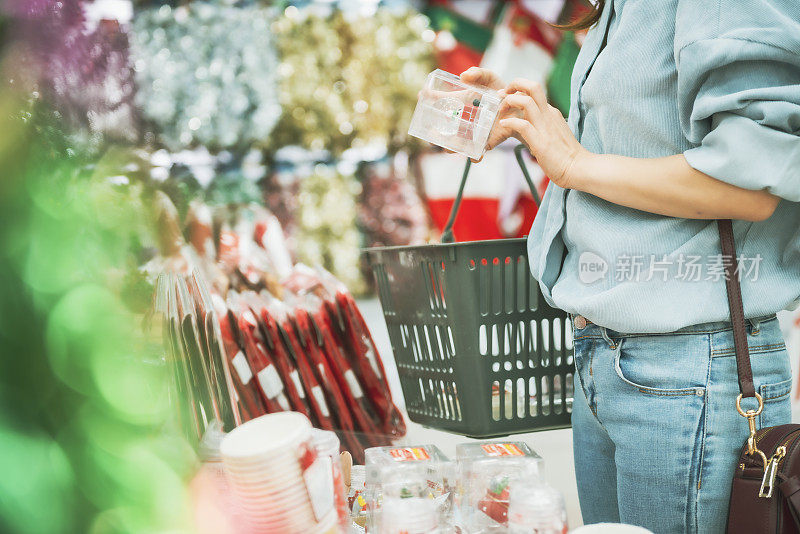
702,328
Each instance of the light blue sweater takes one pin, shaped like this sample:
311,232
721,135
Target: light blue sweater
716,80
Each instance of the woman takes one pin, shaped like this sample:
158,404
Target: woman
683,111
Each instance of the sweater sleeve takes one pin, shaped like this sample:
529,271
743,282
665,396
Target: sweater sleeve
739,103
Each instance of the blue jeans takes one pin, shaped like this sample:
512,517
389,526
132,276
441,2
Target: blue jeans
655,430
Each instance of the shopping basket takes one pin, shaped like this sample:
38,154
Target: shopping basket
478,350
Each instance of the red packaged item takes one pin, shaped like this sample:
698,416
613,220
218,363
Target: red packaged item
320,411
250,402
268,381
363,414
318,478
366,362
346,410
327,446
352,338
283,362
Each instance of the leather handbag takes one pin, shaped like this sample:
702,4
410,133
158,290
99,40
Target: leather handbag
765,493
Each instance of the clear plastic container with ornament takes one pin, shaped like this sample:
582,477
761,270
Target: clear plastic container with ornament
402,479
488,472
455,115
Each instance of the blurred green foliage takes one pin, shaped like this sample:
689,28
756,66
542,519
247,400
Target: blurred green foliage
87,441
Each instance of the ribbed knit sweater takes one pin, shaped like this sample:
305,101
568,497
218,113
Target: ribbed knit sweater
715,80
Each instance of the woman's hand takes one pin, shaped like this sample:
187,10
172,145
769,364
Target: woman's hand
487,78
484,77
543,129
674,188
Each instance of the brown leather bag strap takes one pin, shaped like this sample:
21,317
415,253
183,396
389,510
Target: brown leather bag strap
745,372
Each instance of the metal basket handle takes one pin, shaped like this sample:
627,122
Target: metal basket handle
447,233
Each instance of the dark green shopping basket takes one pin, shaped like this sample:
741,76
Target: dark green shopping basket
478,350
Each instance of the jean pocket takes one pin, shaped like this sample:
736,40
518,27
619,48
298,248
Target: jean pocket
635,373
777,406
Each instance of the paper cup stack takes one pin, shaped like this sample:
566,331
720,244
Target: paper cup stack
268,462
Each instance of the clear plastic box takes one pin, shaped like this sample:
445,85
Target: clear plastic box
487,474
455,115
536,507
420,472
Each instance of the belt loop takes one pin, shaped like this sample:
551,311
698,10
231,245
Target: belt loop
755,326
604,332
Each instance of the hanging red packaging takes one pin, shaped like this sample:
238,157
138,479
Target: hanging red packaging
285,365
250,402
320,409
366,361
363,413
267,380
348,412
199,227
351,337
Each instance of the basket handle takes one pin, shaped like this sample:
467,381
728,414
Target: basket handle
447,233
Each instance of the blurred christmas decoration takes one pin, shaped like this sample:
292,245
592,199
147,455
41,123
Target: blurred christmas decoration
390,211
353,81
207,74
522,45
492,207
325,207
280,193
78,75
560,79
237,179
462,32
327,234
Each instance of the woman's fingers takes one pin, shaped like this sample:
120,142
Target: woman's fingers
524,129
518,125
532,89
478,76
523,103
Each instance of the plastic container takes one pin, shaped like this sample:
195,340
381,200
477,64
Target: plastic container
410,515
478,350
393,474
488,474
455,115
326,444
536,508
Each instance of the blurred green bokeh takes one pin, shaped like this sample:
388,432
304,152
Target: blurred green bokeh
87,440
